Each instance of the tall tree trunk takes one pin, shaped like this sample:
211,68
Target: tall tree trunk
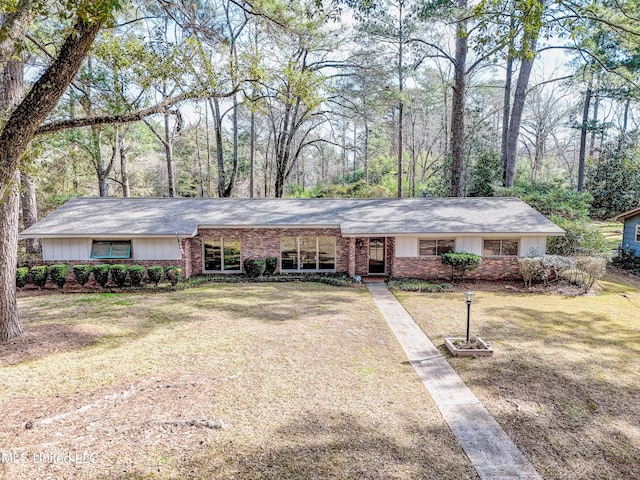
252,153
29,206
124,165
594,121
457,107
530,43
14,140
625,123
217,132
506,110
206,129
168,151
583,136
366,151
11,88
400,88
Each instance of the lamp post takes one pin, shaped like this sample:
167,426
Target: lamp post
468,298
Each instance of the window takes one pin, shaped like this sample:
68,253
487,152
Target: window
431,248
503,247
111,249
222,255
307,253
637,233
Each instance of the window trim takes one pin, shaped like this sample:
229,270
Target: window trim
435,240
110,256
221,240
517,240
637,239
298,259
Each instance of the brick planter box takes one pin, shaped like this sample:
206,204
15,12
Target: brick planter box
484,350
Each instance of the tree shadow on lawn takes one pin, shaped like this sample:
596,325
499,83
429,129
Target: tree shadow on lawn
578,414
339,445
39,341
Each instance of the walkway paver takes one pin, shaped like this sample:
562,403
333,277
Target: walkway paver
490,450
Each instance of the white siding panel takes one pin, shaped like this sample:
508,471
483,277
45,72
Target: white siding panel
156,249
63,249
469,245
406,246
533,243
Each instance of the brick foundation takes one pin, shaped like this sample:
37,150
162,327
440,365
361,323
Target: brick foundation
431,268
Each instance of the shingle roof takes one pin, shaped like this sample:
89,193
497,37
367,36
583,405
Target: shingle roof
182,216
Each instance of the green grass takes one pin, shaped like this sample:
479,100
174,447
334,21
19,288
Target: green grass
564,381
612,232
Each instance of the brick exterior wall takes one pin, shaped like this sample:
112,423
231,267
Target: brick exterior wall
261,243
431,268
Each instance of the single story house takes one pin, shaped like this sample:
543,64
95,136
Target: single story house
631,231
393,237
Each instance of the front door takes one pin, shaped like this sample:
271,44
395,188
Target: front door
376,256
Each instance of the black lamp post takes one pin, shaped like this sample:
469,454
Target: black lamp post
468,298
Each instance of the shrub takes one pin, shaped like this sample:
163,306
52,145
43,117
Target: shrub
155,274
22,276
418,285
271,265
39,275
119,274
460,262
591,269
626,259
174,275
82,272
581,239
136,274
101,274
59,274
254,268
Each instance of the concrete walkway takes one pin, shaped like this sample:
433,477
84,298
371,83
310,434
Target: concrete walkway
491,452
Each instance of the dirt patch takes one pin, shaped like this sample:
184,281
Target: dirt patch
39,341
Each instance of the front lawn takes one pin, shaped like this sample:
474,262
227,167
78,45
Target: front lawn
564,381
270,381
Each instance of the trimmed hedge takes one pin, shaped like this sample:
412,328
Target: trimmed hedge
136,274
418,285
254,268
82,273
460,262
39,275
174,275
155,274
101,274
119,274
271,266
22,276
58,274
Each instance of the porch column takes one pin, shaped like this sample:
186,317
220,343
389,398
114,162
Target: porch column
352,257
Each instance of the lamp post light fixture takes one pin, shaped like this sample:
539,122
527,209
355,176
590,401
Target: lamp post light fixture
468,298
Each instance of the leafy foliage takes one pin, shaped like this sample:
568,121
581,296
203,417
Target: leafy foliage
39,275
485,176
460,262
551,199
174,275
82,273
155,274
119,274
614,182
254,268
101,274
136,274
581,238
271,265
22,276
58,274
418,285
